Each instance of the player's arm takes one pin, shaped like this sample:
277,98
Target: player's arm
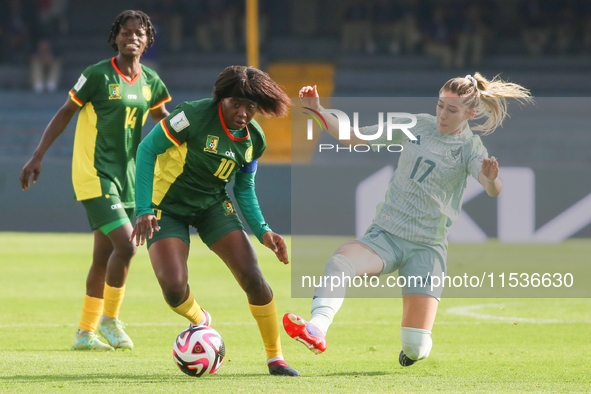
160,97
244,191
159,113
489,177
154,144
56,126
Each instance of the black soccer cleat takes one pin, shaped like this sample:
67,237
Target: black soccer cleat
280,368
404,360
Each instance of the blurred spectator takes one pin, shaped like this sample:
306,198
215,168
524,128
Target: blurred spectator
15,31
304,17
406,34
169,14
357,34
52,15
536,31
46,63
218,19
438,39
396,22
384,14
565,29
470,39
45,67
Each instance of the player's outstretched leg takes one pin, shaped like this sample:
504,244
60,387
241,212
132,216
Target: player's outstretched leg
88,340
416,345
112,330
304,332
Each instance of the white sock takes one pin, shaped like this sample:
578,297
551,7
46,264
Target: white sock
416,342
327,301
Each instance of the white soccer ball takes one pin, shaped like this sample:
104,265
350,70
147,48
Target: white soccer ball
198,351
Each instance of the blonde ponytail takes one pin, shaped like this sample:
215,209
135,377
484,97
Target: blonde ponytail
488,97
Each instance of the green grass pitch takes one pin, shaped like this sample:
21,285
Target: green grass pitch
480,345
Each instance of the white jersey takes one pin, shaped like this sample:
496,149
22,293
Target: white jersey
426,191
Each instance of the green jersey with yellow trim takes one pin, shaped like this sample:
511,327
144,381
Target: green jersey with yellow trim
108,132
192,175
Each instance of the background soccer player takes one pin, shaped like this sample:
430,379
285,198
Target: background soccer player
115,97
409,231
197,150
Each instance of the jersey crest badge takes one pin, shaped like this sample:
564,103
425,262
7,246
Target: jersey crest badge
453,156
147,93
248,154
114,92
229,208
211,144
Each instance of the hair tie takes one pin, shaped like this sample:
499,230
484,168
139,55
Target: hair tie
482,92
473,80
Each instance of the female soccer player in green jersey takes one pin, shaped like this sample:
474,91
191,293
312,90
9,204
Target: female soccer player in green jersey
115,97
409,231
183,167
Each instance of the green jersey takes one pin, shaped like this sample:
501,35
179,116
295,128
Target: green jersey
192,174
426,191
108,132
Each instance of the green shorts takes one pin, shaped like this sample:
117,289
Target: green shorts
213,224
417,262
107,212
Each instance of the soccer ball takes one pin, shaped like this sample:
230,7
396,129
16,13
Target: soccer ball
199,350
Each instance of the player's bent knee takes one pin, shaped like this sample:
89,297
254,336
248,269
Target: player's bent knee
416,343
173,289
126,250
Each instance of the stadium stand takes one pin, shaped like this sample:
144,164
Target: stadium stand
297,50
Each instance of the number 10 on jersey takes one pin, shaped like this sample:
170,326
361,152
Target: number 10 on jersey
225,169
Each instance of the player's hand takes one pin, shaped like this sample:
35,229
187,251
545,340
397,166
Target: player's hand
490,168
276,243
309,97
33,167
146,223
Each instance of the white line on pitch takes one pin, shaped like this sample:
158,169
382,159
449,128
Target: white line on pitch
492,320
467,310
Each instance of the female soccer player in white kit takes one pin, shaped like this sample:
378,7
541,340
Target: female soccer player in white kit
424,197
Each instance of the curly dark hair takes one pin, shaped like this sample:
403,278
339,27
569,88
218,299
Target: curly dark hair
124,17
254,85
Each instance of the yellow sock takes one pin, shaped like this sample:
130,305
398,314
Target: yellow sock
92,309
113,299
266,317
190,309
